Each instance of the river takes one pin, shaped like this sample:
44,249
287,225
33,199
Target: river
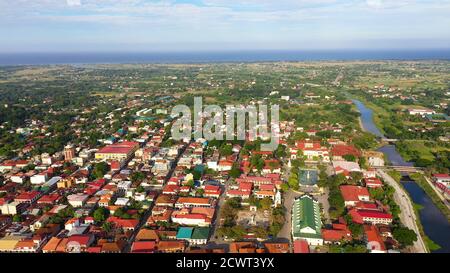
434,222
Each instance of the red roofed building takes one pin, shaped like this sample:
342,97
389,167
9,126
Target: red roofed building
245,186
159,214
267,187
442,182
191,219
243,191
126,224
118,151
374,240
441,178
28,197
263,194
312,150
373,183
238,193
115,165
171,189
245,166
190,202
335,235
79,243
301,246
225,165
212,191
353,194
339,151
271,166
370,216
366,206
50,199
256,180
143,247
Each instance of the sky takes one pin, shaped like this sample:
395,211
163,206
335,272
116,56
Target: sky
221,25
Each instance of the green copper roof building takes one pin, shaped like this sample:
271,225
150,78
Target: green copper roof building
306,223
200,233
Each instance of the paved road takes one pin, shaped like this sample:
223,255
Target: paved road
215,225
323,199
285,232
407,215
213,241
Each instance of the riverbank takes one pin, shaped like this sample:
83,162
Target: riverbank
420,179
431,246
407,215
431,224
376,117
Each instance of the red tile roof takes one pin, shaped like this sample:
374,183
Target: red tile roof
351,193
301,246
119,148
193,200
125,223
374,214
373,235
238,193
373,182
143,247
441,175
82,239
245,186
341,150
27,196
335,235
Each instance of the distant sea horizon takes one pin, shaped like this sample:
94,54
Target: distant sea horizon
80,58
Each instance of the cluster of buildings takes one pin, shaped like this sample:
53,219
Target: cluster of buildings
149,193
143,194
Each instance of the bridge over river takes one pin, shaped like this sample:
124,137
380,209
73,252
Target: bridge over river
402,169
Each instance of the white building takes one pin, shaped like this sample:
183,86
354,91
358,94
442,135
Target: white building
77,200
38,179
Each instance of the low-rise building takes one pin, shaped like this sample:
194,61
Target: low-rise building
306,223
353,194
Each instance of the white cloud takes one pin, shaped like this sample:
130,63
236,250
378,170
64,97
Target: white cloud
74,3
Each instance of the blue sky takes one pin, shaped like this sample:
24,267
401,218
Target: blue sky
187,25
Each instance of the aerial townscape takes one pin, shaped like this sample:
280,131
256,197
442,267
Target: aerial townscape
88,162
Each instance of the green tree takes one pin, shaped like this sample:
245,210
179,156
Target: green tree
140,189
284,187
266,203
293,181
101,214
356,229
137,177
107,226
235,171
404,236
234,203
17,218
190,183
199,192
350,158
100,169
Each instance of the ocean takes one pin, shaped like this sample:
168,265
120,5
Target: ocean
11,59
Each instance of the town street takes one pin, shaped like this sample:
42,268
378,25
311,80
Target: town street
285,232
